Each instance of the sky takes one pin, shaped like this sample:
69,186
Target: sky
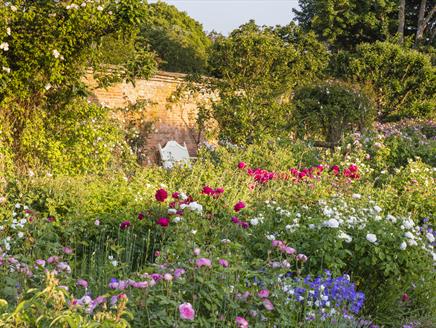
225,15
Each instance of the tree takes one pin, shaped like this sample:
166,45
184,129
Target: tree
401,19
346,23
179,40
257,69
46,48
425,16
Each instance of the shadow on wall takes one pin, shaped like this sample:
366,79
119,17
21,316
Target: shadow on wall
146,114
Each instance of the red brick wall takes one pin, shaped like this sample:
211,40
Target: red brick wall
171,121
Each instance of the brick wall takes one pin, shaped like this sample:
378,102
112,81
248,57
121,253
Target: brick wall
169,121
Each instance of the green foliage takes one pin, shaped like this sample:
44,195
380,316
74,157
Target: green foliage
179,40
345,24
404,80
257,68
331,110
43,60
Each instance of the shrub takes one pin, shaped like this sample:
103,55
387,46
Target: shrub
404,80
330,110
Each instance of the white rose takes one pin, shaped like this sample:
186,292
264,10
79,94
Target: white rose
254,221
403,246
371,237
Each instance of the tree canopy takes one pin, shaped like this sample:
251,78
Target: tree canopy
178,39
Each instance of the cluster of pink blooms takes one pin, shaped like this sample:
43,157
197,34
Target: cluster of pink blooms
148,280
237,208
205,262
285,249
266,302
212,192
263,176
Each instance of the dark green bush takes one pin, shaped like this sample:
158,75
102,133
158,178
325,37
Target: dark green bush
329,110
404,80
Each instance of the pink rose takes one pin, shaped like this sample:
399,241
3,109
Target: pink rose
186,311
124,225
241,165
163,222
241,322
203,262
223,263
239,206
301,257
268,304
161,195
263,293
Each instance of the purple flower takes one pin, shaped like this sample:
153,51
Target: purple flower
223,263
203,262
83,283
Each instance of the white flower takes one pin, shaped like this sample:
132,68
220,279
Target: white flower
378,209
8,31
346,237
99,8
372,238
172,211
409,235
56,53
403,245
270,237
183,196
357,196
4,46
114,263
332,223
288,227
412,242
177,219
408,224
47,86
6,69
312,226
13,8
31,173
20,234
391,218
97,222
23,221
193,232
194,206
430,237
254,221
225,241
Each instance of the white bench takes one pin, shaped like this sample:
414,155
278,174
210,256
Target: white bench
174,153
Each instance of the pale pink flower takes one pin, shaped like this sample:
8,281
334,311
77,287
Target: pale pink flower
223,263
268,304
203,262
197,251
263,293
241,322
186,311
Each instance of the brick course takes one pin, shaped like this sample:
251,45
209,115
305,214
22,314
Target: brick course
170,121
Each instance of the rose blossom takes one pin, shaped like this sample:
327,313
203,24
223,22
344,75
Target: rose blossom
239,206
203,262
241,322
163,222
161,195
186,311
263,293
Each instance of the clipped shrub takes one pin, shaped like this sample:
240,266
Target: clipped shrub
329,110
404,80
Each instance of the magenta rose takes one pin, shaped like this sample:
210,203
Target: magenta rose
186,311
161,195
